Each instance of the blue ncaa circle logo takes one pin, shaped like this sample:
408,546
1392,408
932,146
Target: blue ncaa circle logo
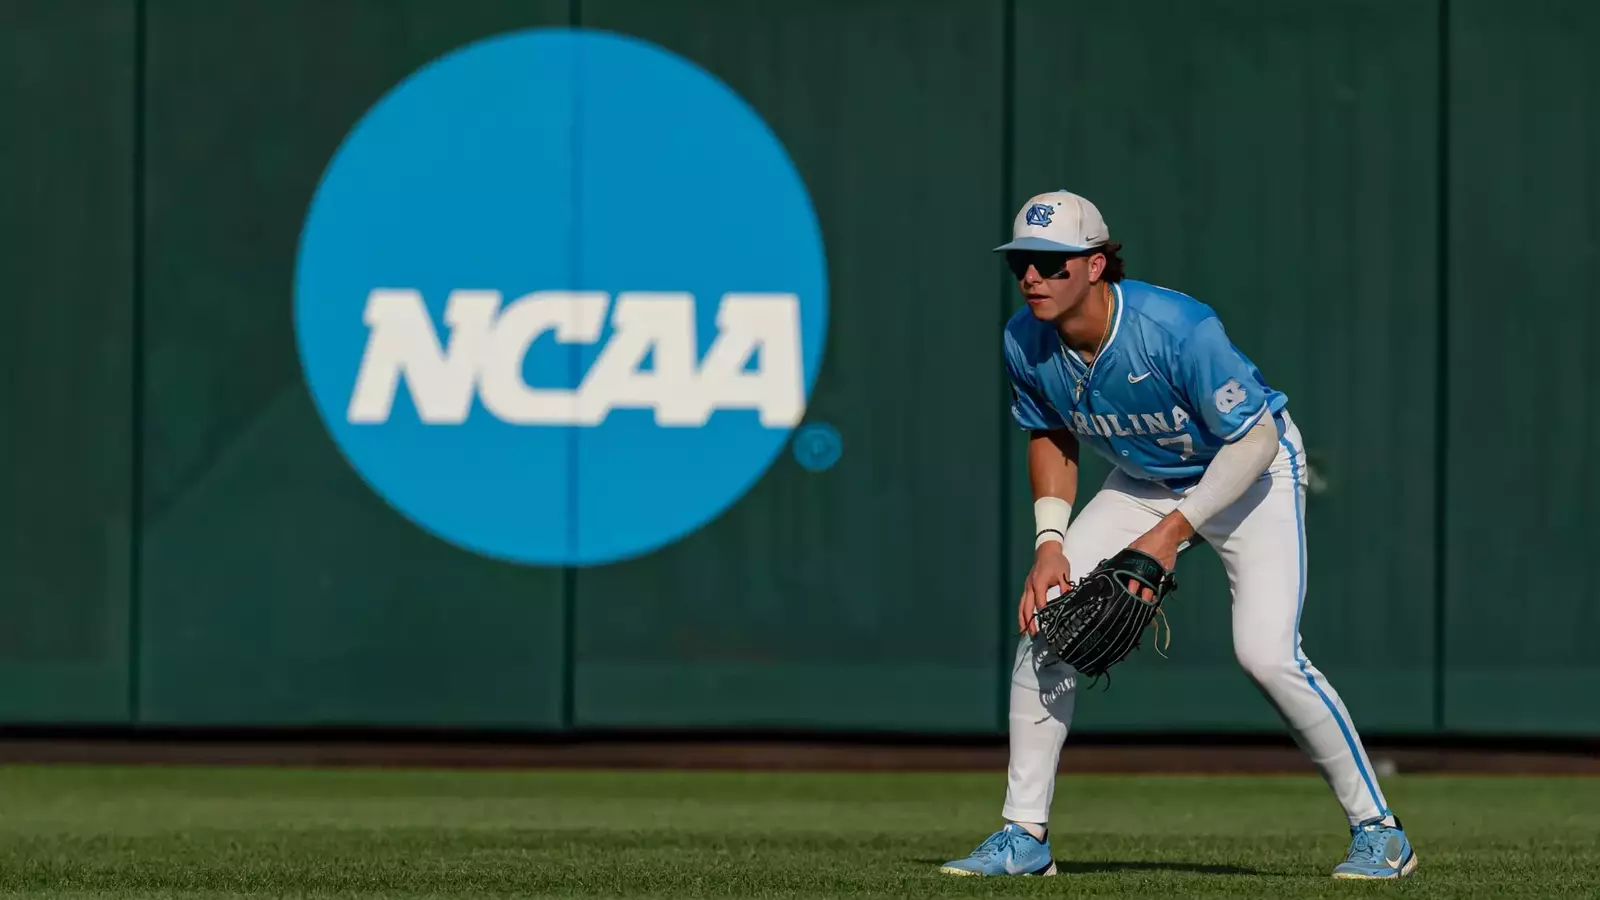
561,297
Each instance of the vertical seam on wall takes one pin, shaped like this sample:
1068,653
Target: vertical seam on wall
569,572
135,571
1441,479
1008,53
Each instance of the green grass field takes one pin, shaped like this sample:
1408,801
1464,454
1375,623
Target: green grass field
198,832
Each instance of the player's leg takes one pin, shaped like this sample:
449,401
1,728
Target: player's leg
1043,690
1261,540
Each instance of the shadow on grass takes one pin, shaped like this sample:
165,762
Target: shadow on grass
1086,867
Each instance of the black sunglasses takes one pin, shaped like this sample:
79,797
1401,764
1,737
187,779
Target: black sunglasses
1050,263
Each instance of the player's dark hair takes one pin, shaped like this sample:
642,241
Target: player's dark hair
1114,270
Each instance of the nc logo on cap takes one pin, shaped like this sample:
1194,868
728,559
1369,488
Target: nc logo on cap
1056,221
530,306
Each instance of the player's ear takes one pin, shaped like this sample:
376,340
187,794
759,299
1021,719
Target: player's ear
1097,265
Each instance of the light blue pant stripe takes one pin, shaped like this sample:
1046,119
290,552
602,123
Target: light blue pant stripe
1300,534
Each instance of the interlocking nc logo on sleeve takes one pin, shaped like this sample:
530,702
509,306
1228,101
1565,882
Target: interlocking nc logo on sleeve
1230,395
488,346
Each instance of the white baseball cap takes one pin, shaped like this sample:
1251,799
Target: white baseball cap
1060,221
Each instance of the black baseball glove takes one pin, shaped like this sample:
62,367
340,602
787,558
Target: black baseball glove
1097,623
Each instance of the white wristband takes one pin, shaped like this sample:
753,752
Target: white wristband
1050,515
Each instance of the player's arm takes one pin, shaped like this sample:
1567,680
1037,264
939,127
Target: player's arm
1053,473
1226,478
1232,405
1235,467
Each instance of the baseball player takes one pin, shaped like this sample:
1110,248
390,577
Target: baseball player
1201,445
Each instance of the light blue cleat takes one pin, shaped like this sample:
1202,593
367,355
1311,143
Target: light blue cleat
1378,851
1009,851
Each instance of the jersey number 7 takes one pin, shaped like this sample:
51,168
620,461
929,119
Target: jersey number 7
1184,440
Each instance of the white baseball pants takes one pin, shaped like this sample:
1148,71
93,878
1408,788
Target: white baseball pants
1261,540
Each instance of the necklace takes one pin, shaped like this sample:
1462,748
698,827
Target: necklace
1077,380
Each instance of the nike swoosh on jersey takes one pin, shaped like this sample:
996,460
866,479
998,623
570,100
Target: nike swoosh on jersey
1133,380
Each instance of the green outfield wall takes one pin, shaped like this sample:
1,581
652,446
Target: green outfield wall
1394,205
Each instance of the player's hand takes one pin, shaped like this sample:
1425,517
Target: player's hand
1161,542
1049,568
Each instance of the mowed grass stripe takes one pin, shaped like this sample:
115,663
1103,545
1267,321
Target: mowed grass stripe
73,831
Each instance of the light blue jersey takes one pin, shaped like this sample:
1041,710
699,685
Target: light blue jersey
1167,391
